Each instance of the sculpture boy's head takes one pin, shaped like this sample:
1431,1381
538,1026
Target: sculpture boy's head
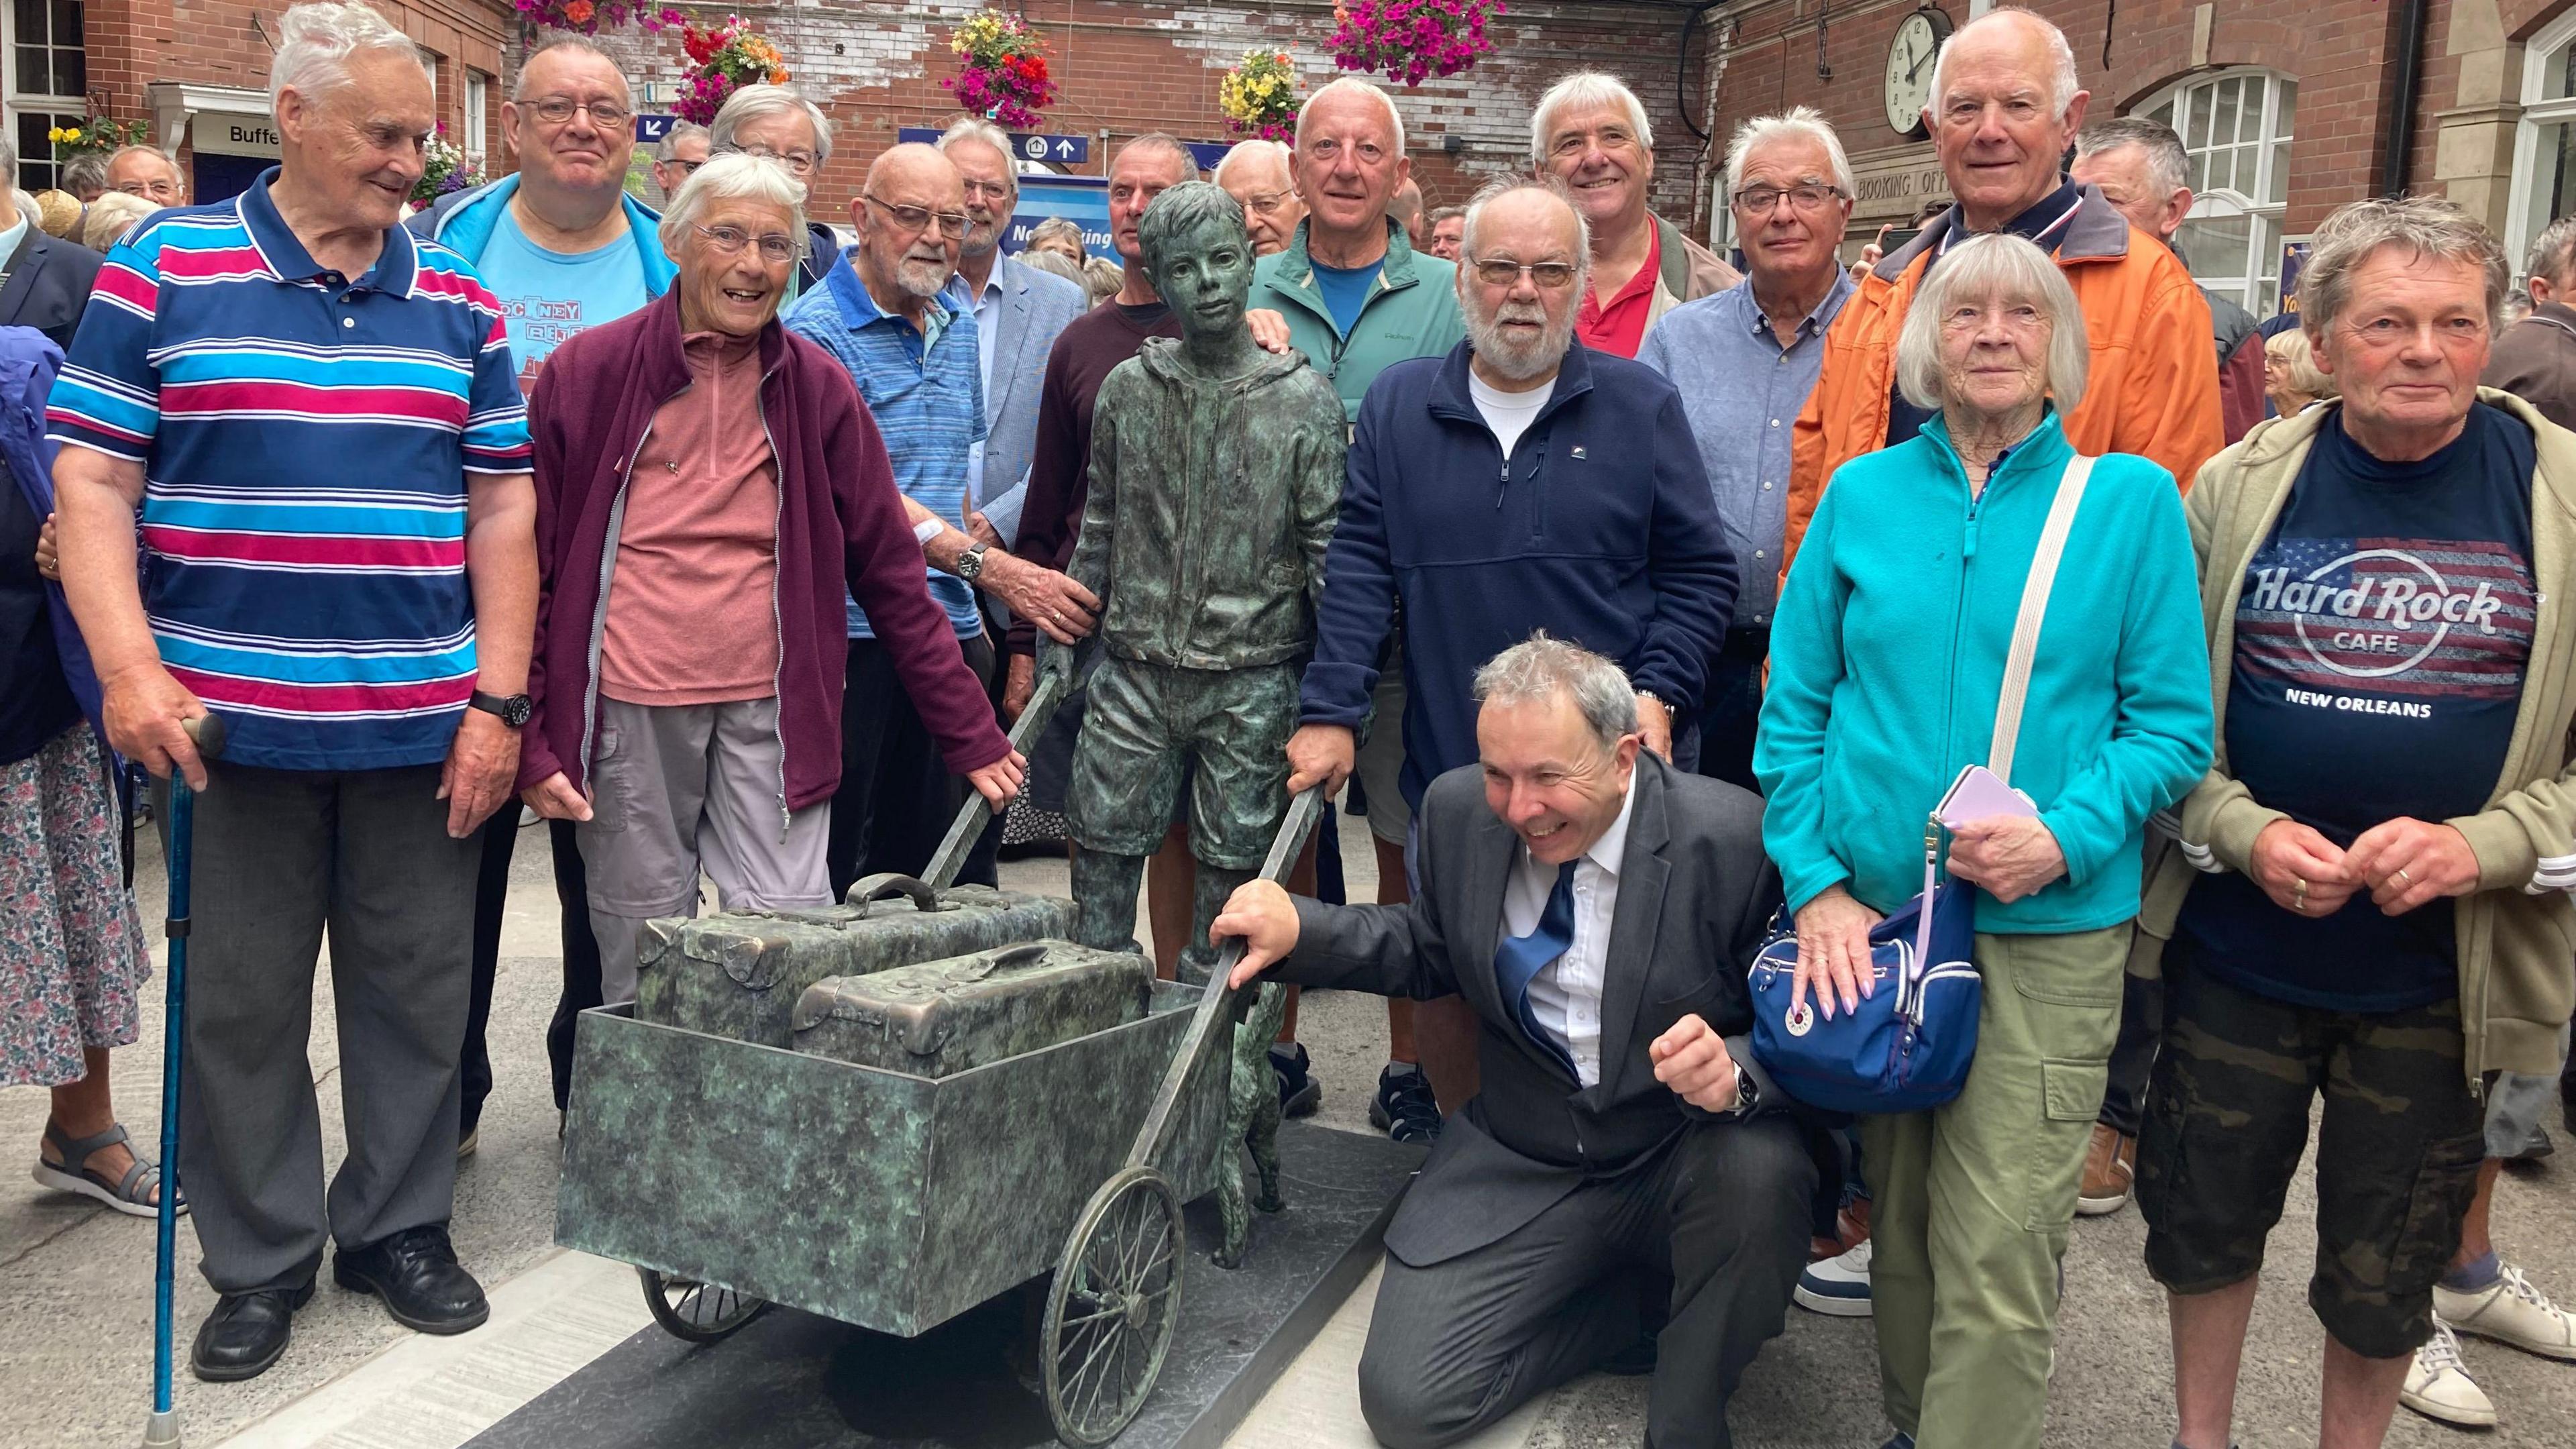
1200,259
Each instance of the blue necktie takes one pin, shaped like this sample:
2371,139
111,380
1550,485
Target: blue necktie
1521,958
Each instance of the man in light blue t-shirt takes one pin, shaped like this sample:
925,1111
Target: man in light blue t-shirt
560,243
565,248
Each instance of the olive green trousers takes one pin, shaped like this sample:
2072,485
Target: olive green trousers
1971,1201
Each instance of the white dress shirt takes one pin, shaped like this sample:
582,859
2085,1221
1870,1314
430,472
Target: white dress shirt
988,316
1565,995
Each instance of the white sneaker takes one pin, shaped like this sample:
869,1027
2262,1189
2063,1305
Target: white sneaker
2511,1312
2438,1385
1837,1287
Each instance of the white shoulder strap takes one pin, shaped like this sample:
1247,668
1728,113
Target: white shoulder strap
2034,609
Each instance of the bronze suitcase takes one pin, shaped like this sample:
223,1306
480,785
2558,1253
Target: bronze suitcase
738,974
944,1017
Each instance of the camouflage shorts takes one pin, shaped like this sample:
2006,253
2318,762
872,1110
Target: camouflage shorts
2227,1119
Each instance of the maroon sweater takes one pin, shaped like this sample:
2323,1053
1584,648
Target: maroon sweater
1060,469
839,517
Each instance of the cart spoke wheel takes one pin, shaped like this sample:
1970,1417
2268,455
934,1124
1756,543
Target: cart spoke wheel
698,1312
1110,1310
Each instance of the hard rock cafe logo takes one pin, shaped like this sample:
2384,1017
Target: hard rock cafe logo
2401,610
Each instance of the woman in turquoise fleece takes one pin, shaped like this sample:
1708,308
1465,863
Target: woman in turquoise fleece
1887,657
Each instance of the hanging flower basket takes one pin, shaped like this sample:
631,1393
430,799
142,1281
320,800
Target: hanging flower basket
99,135
445,167
1001,70
1259,96
1412,40
591,16
725,58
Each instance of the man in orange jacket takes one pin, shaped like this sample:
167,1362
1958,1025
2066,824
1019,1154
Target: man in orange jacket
2004,107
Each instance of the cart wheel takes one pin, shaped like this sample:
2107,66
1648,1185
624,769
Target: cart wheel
698,1312
1110,1311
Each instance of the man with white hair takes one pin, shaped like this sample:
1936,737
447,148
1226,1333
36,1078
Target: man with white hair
1744,361
148,172
2005,104
1019,312
1590,132
1257,173
1627,1190
49,279
2139,166
677,156
779,123
1359,299
353,593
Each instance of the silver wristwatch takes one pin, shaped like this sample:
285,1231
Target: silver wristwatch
970,564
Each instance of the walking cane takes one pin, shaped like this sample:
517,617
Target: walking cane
161,1431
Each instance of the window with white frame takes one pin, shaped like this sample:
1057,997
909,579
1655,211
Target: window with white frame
478,94
2544,145
2235,125
48,79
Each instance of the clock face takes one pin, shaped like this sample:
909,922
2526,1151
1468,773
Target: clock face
1908,83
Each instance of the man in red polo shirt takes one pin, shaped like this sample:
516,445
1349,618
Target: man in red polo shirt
1591,132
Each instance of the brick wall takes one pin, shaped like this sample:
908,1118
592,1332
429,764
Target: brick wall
1127,68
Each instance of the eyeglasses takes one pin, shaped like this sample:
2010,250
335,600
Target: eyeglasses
161,190
1266,202
556,110
1758,200
730,240
997,190
952,224
801,163
1501,272
686,168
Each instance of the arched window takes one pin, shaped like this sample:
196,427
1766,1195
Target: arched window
2544,143
2236,126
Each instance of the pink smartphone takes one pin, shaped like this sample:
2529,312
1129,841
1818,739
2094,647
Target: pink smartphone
1978,794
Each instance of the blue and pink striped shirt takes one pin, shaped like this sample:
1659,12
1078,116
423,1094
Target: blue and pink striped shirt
306,443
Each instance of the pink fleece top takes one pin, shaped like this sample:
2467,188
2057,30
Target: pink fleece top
691,613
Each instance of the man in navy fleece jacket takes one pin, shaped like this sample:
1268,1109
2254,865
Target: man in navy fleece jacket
1520,483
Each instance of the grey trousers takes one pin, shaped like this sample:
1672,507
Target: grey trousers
282,857
675,788
1720,1216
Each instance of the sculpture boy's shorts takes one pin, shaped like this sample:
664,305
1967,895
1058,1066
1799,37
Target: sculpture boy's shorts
1146,722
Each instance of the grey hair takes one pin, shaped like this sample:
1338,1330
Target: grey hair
2062,83
1277,150
1587,88
1798,123
1508,185
2298,359
579,45
1101,279
2168,164
1349,85
1055,226
316,40
1057,264
143,148
667,149
1540,668
2002,266
753,102
1444,213
2552,251
734,177
1179,209
86,169
1159,141
8,163
111,216
976,128
2425,226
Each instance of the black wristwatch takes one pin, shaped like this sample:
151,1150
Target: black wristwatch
1748,1095
970,564
513,711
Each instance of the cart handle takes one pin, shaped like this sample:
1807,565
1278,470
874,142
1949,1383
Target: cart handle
946,861
1214,1021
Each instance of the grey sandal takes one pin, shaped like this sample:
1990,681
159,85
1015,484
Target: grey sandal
130,1194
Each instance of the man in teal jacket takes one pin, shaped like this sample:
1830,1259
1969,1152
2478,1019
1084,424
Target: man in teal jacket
1358,299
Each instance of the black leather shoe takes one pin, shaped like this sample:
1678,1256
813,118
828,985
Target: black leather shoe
246,1333
416,1273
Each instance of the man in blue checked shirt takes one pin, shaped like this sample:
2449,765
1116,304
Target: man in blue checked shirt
317,415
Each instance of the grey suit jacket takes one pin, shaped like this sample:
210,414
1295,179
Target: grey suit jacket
1695,895
1033,308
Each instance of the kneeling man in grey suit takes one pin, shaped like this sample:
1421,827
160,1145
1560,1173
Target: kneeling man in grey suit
1598,909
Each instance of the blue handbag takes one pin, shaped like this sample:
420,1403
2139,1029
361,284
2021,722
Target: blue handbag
1908,1045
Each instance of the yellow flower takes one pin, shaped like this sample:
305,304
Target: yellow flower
72,134
56,134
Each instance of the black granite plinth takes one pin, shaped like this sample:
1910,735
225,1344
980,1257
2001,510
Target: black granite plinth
795,1381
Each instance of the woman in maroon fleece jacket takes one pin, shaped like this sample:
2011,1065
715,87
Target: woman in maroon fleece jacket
705,485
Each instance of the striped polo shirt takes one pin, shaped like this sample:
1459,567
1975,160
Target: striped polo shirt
306,442
927,396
